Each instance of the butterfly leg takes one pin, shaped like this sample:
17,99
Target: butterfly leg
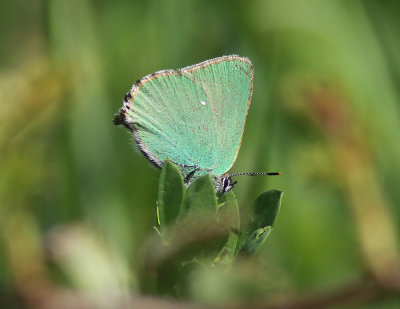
190,175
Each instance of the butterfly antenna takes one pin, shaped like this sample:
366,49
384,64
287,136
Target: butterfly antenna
255,174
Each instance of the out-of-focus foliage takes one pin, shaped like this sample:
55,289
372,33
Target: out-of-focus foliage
205,234
78,202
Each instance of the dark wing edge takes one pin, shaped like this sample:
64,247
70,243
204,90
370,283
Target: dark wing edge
120,117
215,60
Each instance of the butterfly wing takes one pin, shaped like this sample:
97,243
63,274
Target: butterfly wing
194,116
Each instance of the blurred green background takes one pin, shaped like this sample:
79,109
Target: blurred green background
77,200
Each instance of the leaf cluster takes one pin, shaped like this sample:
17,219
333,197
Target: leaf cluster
199,228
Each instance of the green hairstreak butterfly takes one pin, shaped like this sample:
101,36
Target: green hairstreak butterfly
194,116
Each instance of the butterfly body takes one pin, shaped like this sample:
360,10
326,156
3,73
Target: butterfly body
193,116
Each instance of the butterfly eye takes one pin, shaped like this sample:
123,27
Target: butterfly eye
227,184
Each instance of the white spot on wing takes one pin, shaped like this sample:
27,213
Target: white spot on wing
203,103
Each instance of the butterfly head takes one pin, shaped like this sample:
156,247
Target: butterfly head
227,183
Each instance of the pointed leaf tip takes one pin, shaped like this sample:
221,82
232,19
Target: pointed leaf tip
266,208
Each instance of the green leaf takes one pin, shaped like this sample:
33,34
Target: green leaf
263,213
195,232
187,274
228,217
224,197
202,230
256,240
265,208
200,196
170,194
